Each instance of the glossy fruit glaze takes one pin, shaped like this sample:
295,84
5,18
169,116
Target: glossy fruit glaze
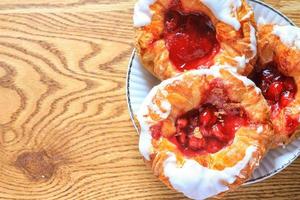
279,90
190,38
207,129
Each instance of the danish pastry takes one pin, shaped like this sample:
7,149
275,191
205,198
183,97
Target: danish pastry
204,131
173,36
278,75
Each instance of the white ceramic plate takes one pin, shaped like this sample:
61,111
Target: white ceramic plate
140,82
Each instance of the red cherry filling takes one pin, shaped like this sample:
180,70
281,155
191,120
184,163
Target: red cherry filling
274,91
207,131
204,130
207,117
276,87
291,124
190,39
279,90
156,131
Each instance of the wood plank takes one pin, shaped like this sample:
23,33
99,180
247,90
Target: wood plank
65,132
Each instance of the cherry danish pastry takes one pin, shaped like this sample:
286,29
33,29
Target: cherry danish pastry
278,75
204,131
173,36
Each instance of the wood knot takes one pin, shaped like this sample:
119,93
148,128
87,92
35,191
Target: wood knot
36,165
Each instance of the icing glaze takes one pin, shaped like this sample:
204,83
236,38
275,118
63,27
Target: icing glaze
247,82
142,13
253,42
248,15
165,105
145,142
223,10
198,182
289,35
242,60
260,129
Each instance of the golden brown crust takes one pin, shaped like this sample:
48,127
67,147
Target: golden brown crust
271,48
184,94
155,56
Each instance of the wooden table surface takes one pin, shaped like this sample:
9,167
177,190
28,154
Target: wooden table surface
65,131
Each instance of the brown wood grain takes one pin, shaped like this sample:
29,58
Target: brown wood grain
65,131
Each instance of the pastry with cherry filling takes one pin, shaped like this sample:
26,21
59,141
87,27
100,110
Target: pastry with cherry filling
278,75
204,131
173,36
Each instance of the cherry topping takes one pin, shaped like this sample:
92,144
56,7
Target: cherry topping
205,130
190,39
276,87
156,131
274,91
279,90
286,98
290,85
233,123
207,117
291,125
218,131
214,145
181,123
182,138
196,143
269,75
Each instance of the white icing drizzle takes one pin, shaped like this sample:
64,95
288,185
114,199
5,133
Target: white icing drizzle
198,182
145,144
253,41
242,60
213,71
289,35
260,129
247,82
247,16
225,11
165,105
142,13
